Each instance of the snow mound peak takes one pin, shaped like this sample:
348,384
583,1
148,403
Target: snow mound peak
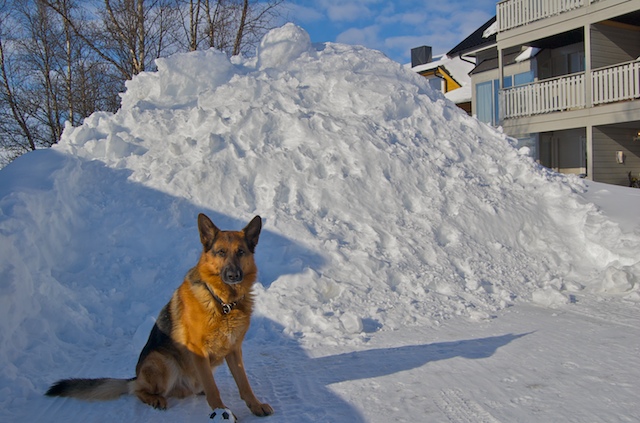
283,45
172,85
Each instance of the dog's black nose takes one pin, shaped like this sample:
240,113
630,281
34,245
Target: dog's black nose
233,275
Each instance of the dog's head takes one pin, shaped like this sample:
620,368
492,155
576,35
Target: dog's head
229,254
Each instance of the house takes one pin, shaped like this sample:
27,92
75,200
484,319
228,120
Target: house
450,75
563,77
481,48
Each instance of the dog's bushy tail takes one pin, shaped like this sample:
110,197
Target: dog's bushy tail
90,389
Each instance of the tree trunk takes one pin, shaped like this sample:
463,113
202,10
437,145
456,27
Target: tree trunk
194,21
141,37
11,100
69,73
239,35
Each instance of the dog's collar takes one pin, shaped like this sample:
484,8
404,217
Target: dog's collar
226,307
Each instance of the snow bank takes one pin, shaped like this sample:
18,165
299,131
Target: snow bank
384,206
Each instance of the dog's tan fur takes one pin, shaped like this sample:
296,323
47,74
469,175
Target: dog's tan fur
193,334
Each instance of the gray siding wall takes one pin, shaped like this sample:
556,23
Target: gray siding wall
612,44
607,140
564,151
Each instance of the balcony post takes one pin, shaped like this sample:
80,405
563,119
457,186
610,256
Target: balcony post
588,78
501,104
589,148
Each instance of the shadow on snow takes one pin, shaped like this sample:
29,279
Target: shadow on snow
129,248
299,383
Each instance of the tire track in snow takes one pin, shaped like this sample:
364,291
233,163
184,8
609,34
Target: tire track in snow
460,409
617,313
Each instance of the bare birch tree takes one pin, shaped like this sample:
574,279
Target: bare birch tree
30,93
61,60
16,136
231,26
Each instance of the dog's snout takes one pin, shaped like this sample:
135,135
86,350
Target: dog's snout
233,274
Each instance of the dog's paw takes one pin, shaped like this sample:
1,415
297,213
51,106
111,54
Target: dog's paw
261,409
222,415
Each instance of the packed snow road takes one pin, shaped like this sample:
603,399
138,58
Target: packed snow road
528,364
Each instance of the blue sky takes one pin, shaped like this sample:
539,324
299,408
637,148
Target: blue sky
393,27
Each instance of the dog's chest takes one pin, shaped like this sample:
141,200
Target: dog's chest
225,333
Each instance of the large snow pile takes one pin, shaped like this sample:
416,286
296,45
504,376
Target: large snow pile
383,204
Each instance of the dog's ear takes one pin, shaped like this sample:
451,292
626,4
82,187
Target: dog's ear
208,231
252,232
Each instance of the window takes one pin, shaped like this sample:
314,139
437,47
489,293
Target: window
576,62
507,82
487,107
485,102
435,83
522,78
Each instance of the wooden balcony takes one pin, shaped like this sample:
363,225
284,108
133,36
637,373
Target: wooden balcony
515,13
551,95
607,85
616,83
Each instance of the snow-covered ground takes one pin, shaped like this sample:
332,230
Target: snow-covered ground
414,266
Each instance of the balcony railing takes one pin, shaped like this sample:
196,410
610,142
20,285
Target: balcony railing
611,84
551,95
514,13
616,83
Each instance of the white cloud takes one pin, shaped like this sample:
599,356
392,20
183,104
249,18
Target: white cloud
348,12
301,14
405,42
367,36
395,27
389,16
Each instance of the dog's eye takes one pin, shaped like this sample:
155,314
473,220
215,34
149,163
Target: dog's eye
240,253
221,253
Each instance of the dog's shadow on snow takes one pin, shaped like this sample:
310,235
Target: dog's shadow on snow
386,361
299,385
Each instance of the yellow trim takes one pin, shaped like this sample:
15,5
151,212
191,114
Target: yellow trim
451,84
440,72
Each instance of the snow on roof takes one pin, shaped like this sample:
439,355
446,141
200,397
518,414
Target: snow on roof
458,69
493,29
461,95
527,54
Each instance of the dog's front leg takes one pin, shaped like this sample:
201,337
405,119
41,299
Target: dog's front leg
205,375
236,365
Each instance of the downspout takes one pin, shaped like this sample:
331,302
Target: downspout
438,75
588,84
461,57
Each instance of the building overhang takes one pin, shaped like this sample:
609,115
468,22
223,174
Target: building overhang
606,114
624,11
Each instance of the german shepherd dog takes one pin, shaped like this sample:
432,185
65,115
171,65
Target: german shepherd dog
203,324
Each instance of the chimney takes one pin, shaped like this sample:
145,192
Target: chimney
420,56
